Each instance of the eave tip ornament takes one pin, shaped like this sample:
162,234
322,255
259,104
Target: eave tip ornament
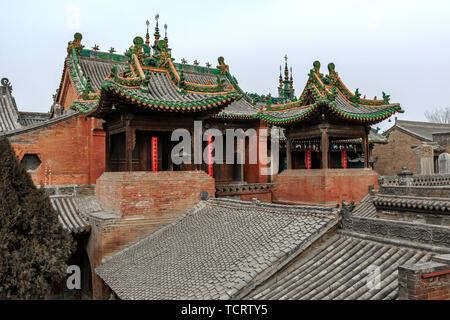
75,44
316,66
224,68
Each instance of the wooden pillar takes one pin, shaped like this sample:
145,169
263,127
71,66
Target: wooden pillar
107,151
288,153
324,147
130,141
366,148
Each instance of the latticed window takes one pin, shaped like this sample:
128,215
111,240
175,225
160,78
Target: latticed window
30,162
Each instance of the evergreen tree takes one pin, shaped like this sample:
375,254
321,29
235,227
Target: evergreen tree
34,247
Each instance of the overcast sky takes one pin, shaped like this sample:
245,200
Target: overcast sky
400,47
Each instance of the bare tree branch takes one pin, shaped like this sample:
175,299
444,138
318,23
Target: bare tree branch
439,115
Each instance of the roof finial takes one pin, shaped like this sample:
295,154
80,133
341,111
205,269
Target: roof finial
157,28
165,32
147,36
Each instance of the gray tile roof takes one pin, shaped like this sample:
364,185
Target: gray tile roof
69,213
238,108
423,130
31,118
366,207
338,269
98,70
344,105
413,203
9,115
214,250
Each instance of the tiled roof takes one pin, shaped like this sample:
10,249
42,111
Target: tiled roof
330,92
9,115
213,250
98,70
423,130
31,118
238,109
366,208
69,213
340,269
412,203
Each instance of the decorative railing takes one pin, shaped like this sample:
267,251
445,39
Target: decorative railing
243,188
407,178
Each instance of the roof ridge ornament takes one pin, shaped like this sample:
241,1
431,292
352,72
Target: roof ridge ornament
224,68
386,98
316,66
75,44
6,84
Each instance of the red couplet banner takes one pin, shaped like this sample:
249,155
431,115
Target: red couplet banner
154,153
210,156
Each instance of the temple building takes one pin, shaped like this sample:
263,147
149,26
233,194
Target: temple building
151,227
318,127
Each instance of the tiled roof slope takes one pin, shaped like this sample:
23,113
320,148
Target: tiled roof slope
330,92
424,130
366,208
214,250
69,213
31,118
339,269
9,115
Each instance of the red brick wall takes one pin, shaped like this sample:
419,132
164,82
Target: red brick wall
71,151
152,193
426,281
398,152
146,201
326,187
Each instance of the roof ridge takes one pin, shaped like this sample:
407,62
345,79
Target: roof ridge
424,123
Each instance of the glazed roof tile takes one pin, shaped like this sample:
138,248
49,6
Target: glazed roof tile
329,91
213,251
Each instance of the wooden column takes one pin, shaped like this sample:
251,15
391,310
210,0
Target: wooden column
324,145
130,140
107,151
366,148
288,153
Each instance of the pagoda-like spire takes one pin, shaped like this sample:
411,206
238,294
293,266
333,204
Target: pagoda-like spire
286,71
147,36
157,28
291,80
281,78
165,34
286,88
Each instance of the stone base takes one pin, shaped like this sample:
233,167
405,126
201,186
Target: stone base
323,187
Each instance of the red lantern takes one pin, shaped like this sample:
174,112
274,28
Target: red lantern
155,154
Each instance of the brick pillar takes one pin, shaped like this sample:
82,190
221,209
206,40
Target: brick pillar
425,281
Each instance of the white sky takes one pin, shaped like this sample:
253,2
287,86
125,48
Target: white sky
400,47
